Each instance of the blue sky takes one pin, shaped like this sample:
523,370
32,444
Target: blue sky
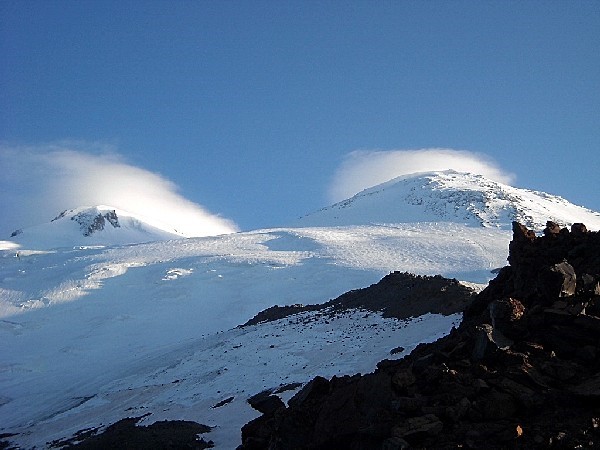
250,107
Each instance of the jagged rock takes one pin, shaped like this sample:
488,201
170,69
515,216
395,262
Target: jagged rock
91,220
488,341
552,229
557,280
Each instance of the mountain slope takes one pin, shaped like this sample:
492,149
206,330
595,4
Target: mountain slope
98,225
94,335
450,196
94,331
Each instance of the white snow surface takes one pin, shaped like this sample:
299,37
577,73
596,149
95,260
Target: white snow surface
450,196
95,330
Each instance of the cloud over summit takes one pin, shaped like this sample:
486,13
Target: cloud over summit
366,168
39,182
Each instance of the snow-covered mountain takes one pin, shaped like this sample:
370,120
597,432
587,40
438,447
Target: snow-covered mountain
94,331
97,225
450,196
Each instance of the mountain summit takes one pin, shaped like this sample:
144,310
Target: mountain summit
97,225
450,196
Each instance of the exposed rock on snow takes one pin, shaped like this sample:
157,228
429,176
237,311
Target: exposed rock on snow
174,434
399,295
91,221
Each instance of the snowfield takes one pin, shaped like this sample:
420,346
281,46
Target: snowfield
91,335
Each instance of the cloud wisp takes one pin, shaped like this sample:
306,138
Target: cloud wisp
362,169
39,182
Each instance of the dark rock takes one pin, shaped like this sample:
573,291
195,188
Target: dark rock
427,425
403,378
487,341
223,402
495,405
506,315
395,443
174,434
589,389
578,229
552,229
266,403
400,295
588,284
558,280
316,387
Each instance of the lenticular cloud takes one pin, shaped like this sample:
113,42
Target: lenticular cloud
363,169
38,183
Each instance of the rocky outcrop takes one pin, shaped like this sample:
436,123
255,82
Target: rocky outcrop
521,371
93,220
399,294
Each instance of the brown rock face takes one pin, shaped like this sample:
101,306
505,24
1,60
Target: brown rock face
521,371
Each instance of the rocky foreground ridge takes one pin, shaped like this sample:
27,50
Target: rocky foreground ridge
521,371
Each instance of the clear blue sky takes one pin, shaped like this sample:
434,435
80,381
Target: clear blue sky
251,106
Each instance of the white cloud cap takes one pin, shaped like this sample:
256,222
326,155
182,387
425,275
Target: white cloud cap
39,182
362,169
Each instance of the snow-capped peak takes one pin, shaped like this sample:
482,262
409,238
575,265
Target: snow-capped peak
95,225
450,196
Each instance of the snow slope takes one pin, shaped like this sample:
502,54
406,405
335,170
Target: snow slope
93,331
450,196
91,335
